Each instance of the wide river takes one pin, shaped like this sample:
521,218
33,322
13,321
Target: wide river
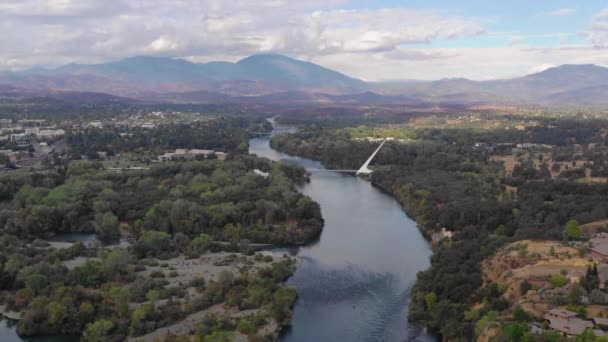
354,282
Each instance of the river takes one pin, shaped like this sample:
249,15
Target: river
354,282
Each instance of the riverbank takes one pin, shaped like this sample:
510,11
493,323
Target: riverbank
354,283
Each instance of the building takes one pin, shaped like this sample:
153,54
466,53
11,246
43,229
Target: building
32,130
182,153
95,124
600,253
32,121
566,322
599,238
50,133
442,234
20,137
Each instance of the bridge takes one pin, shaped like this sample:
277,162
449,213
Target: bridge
363,170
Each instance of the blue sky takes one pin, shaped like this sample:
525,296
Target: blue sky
372,40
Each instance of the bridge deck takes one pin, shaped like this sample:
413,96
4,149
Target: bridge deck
318,170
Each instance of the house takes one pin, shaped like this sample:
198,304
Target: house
558,291
600,252
566,322
598,239
600,321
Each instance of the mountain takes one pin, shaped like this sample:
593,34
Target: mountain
562,85
271,78
254,75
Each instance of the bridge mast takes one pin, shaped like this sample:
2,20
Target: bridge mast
365,169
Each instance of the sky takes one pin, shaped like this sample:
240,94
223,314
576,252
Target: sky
373,40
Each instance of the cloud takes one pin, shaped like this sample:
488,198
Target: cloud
598,32
473,63
561,12
374,44
54,32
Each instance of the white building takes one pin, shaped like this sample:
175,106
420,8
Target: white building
32,131
20,137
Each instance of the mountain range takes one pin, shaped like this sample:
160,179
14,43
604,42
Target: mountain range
272,78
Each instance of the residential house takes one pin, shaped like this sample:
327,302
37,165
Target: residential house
566,322
599,247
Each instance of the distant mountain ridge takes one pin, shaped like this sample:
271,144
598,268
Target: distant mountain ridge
254,75
271,78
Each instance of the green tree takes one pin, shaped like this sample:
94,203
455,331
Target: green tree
107,226
198,246
120,296
153,296
431,301
152,242
98,331
90,274
57,313
573,230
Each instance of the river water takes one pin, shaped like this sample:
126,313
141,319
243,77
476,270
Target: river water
354,282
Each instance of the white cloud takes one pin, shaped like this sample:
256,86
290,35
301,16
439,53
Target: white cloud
374,44
473,63
163,44
561,12
598,32
85,31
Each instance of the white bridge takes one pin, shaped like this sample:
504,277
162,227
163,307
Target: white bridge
364,169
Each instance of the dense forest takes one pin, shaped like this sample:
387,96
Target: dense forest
442,180
221,134
208,214
188,198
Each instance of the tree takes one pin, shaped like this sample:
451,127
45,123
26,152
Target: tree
107,226
119,296
573,230
246,327
598,297
36,282
524,287
431,301
574,296
98,331
57,313
152,242
520,315
198,246
153,296
89,274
